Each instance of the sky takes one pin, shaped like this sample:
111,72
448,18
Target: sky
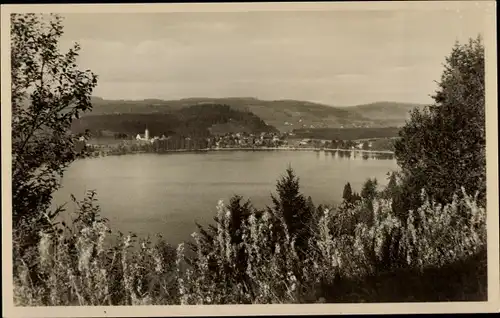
339,58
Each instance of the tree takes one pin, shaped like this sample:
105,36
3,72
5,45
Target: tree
355,197
48,92
392,188
347,194
442,147
240,212
310,204
291,207
369,189
366,145
368,194
392,181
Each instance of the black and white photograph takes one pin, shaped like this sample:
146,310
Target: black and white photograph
289,155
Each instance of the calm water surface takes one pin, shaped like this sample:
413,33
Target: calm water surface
167,193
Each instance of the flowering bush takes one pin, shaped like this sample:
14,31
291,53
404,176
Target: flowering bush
444,234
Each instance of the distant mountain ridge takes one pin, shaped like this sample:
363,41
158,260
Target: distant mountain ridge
285,115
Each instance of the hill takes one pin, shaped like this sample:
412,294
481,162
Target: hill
386,113
285,115
346,133
192,121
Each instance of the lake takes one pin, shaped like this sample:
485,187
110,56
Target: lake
167,193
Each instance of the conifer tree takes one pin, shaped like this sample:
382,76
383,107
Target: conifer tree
347,195
240,211
392,189
355,197
392,181
290,207
368,194
310,203
369,189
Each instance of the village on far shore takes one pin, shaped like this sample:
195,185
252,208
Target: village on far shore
147,142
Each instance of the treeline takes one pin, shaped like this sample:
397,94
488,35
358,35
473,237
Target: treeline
346,133
172,143
177,143
194,121
372,144
385,144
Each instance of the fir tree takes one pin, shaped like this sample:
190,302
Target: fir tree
347,195
355,197
369,189
291,208
240,211
368,194
310,203
392,189
392,182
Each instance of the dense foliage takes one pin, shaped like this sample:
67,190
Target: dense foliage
193,121
443,147
48,92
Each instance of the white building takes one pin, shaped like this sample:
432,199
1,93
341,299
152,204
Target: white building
146,135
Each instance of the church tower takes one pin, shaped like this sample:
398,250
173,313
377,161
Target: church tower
146,134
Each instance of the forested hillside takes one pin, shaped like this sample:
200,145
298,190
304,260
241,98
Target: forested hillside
285,115
193,121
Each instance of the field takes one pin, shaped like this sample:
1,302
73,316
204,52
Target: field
346,133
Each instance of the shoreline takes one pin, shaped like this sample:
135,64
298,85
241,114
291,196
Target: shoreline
105,153
305,149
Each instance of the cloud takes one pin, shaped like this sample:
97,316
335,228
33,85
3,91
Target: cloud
157,47
343,56
276,41
351,76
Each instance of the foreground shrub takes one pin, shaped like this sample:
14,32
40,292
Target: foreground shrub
444,234
87,264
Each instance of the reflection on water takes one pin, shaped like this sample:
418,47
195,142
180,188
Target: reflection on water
151,193
358,154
